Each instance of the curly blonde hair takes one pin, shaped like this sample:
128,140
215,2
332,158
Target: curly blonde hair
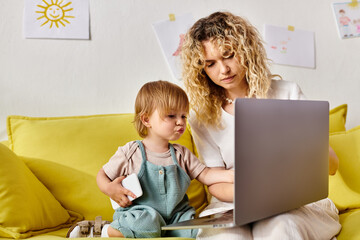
231,34
158,95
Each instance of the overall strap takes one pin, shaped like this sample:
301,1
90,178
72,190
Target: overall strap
173,155
143,154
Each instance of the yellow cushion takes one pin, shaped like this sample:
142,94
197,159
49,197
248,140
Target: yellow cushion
84,143
337,118
79,146
6,143
27,208
344,186
350,222
75,190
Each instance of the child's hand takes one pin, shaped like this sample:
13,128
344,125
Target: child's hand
119,193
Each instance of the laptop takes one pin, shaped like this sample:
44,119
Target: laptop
281,160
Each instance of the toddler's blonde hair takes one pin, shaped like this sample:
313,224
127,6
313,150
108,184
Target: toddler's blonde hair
158,95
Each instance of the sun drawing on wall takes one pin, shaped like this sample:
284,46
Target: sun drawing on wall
55,12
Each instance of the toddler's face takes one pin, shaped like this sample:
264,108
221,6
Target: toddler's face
169,127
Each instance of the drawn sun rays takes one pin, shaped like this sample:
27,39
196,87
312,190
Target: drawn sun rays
55,12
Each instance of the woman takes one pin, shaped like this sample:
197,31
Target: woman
224,58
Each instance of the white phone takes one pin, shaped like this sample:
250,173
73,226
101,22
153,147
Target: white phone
132,183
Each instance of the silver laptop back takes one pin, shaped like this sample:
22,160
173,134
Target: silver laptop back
281,156
281,160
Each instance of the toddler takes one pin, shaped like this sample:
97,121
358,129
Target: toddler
164,169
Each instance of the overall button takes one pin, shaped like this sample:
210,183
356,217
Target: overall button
161,181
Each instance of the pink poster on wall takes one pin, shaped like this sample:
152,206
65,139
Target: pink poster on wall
170,34
290,46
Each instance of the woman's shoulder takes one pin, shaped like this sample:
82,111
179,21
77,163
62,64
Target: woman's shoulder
194,122
192,119
283,85
282,89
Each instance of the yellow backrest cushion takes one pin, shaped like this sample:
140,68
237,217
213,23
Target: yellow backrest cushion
27,208
79,146
6,143
344,186
84,143
337,118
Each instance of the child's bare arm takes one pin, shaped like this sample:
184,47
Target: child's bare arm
114,189
211,176
223,191
220,182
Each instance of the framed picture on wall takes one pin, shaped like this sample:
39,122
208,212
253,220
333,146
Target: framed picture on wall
347,17
290,46
60,19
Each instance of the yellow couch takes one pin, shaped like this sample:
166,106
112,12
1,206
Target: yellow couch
47,181
48,169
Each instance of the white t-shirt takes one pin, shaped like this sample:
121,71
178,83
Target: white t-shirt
216,147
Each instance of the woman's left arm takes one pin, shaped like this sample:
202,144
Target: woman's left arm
333,162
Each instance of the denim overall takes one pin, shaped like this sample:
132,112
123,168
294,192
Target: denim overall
164,201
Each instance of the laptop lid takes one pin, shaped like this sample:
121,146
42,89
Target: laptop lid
281,160
281,156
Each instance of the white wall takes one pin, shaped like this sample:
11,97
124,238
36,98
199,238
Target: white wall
103,75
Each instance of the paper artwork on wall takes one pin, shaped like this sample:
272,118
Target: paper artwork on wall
170,34
290,46
61,19
347,17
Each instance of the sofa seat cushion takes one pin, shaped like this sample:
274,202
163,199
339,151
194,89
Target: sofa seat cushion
66,153
61,233
27,208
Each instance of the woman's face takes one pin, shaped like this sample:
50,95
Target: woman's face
226,72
